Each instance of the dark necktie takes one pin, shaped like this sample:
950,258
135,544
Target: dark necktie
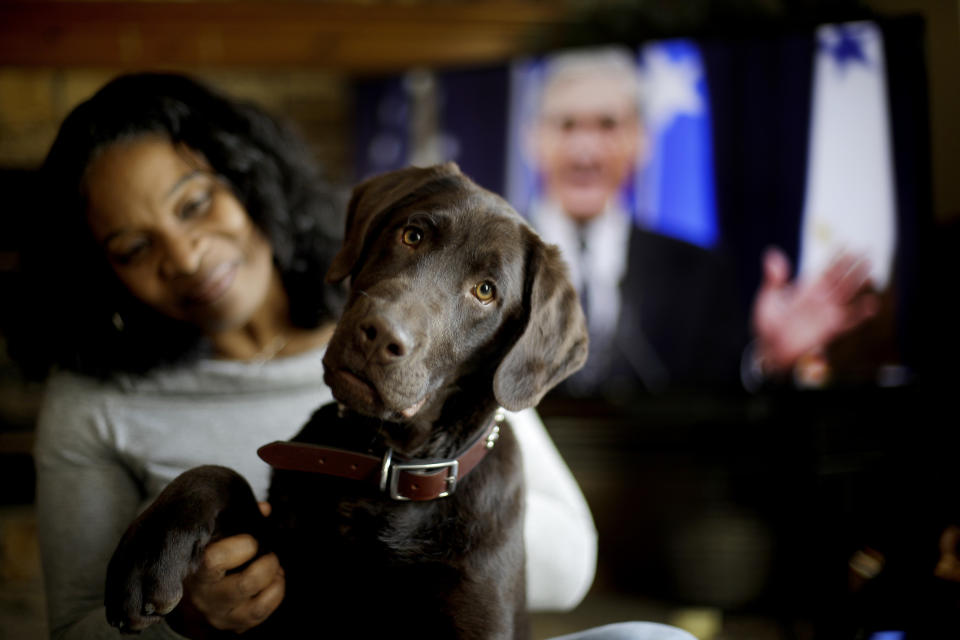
584,264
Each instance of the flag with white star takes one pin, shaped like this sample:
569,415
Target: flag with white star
849,204
675,185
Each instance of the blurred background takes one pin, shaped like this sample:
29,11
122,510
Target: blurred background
733,513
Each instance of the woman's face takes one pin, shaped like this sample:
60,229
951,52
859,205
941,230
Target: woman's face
175,234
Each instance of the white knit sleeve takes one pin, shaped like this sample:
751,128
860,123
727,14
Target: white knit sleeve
85,499
560,537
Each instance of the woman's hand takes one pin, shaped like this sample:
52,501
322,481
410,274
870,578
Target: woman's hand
217,600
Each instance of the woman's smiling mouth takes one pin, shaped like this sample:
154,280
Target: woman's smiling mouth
211,286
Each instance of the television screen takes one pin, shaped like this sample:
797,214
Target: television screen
734,211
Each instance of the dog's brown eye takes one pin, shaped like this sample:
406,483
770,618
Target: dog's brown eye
485,291
412,236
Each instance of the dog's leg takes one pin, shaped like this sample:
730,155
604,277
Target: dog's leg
491,604
166,542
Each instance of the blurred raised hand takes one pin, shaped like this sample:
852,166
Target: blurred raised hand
793,318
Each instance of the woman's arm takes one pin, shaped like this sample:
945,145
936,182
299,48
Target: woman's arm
559,534
86,498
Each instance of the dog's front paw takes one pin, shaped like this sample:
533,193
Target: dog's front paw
145,576
165,543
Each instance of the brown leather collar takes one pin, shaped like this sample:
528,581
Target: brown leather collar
401,480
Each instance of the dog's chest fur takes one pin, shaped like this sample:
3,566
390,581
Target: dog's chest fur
369,559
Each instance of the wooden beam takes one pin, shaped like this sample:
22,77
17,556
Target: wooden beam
349,37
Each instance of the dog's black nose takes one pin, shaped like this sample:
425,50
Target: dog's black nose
383,340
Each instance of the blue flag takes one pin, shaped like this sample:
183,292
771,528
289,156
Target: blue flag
674,192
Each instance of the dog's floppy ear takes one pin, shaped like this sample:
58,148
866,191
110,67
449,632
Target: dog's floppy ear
554,341
370,201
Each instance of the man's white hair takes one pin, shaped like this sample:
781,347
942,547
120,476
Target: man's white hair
572,64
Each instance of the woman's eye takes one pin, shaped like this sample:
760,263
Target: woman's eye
128,254
196,206
485,291
412,236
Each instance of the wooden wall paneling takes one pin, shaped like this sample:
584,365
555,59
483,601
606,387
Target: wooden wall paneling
348,37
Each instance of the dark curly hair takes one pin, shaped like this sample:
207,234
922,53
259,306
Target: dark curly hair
70,296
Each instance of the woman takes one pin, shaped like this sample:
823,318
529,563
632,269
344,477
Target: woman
175,271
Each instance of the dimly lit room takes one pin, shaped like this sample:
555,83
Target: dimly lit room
701,253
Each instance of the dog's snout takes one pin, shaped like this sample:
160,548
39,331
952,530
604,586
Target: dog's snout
383,340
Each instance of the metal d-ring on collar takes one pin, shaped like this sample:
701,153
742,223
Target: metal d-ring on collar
390,471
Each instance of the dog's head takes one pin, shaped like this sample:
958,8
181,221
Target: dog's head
450,291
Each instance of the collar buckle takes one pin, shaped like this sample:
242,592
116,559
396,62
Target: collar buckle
391,471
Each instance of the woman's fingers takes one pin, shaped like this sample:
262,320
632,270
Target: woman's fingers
265,508
241,600
224,555
244,600
254,578
259,608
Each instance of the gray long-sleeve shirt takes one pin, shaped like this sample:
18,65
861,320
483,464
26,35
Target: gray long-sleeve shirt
105,450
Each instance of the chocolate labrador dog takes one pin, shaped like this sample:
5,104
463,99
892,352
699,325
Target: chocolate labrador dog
398,510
